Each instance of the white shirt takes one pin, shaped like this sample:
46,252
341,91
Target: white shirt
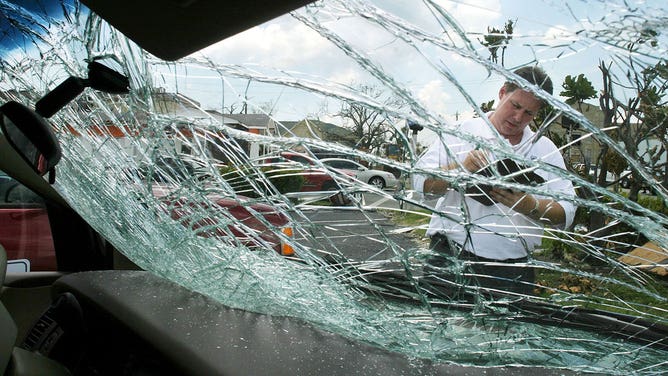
495,231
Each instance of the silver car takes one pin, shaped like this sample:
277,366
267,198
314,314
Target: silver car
377,178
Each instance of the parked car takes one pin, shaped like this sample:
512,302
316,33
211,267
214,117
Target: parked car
315,178
237,220
379,179
25,231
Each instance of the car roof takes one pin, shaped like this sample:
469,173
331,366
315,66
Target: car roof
338,159
157,25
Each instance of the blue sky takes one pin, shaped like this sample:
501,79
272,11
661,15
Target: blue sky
564,37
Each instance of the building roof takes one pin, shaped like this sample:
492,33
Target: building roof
320,129
251,120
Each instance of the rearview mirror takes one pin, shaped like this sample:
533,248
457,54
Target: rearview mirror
30,135
100,77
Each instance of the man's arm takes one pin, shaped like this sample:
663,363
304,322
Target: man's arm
474,161
547,211
436,185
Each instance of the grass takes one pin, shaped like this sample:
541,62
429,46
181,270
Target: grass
417,219
618,295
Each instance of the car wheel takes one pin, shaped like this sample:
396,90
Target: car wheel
377,182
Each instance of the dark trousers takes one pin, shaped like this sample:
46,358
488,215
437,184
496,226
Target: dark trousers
457,272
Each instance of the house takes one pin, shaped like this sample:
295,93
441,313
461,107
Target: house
588,149
253,123
260,124
318,130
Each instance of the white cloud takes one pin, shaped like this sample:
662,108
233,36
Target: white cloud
474,15
433,96
283,43
287,44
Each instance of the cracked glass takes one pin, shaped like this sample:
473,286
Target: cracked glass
213,172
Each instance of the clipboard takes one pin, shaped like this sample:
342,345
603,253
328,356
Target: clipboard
502,168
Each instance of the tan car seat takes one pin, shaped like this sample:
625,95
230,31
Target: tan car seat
15,361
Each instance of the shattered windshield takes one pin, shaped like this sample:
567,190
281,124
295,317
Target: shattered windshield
500,221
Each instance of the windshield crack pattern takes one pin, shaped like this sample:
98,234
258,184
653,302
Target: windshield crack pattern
217,172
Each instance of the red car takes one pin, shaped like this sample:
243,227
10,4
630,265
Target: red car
237,219
25,231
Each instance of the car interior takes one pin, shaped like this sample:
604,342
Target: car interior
101,313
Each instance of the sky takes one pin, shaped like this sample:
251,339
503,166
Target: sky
565,38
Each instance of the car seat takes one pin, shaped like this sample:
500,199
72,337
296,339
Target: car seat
15,361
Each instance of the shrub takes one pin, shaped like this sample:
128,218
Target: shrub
653,203
619,239
284,181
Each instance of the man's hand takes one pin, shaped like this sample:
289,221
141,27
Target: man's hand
476,160
545,210
519,201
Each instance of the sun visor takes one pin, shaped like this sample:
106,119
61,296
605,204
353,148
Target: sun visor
173,29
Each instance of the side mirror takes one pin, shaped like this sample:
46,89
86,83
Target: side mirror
31,136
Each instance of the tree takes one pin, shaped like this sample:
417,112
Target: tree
577,90
616,164
487,106
655,116
371,127
639,118
495,39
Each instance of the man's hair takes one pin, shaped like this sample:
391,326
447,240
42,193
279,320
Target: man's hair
535,75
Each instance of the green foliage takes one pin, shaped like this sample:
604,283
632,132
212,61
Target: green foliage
558,140
564,247
648,35
622,238
653,203
487,106
546,111
577,90
600,292
495,39
285,180
240,178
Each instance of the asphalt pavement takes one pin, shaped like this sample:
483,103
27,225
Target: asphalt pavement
358,235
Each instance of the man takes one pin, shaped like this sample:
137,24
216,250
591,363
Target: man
493,239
